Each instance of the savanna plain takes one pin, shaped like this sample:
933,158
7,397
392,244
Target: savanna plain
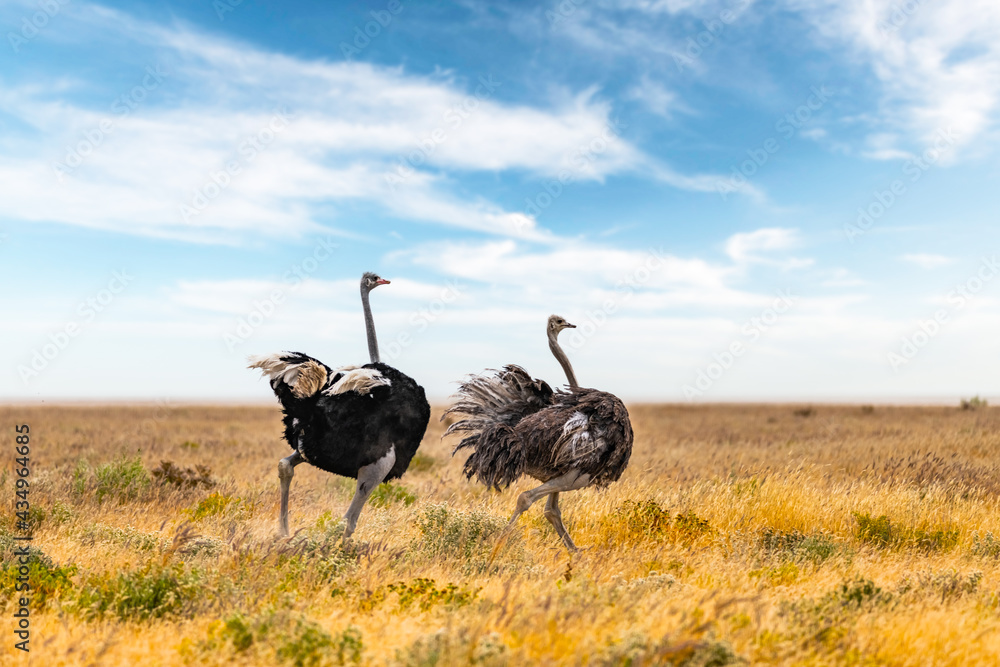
740,534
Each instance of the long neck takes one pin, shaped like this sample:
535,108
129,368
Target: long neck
369,327
563,360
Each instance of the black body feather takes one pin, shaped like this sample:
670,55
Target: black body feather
342,433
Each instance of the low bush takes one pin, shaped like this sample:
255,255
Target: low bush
168,473
881,532
141,595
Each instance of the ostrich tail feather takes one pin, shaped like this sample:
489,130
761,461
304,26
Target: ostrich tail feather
491,406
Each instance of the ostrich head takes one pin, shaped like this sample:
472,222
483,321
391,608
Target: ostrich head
370,281
557,324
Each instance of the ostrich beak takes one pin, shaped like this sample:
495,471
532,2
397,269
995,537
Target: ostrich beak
382,281
570,326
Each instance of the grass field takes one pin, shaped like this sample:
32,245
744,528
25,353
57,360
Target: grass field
739,535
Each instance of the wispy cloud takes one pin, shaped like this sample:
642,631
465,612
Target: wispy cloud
927,261
760,247
655,97
209,160
938,63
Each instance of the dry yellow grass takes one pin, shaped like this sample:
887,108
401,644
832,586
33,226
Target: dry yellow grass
739,535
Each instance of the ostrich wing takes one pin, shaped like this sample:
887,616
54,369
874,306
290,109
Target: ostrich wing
292,372
585,430
302,376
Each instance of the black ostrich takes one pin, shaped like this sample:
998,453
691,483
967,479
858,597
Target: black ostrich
361,422
518,426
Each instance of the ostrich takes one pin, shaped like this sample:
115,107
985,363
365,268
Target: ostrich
362,422
518,426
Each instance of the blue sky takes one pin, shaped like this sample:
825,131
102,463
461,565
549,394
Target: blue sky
786,200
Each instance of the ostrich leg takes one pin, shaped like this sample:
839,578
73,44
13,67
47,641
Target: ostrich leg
286,470
368,478
554,516
569,482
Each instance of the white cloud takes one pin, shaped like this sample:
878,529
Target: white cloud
649,280
927,261
938,63
301,133
654,96
882,146
758,247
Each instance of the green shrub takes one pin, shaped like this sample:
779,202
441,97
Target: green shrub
946,585
123,479
460,648
986,546
389,493
877,531
125,536
780,575
307,645
239,632
880,532
219,503
973,403
141,595
856,593
48,580
830,620
637,521
425,594
798,546
294,640
62,513
466,536
81,477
